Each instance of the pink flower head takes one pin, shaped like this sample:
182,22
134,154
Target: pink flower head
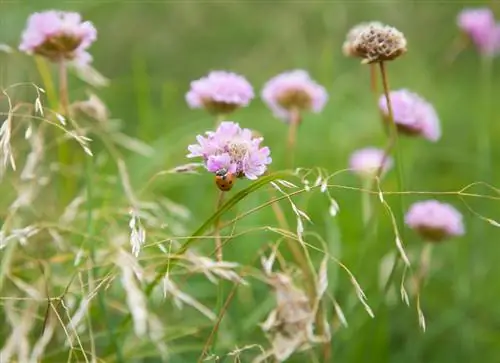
293,90
58,35
413,115
232,149
366,162
220,92
435,221
480,26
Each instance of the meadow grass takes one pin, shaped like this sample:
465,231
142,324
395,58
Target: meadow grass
76,281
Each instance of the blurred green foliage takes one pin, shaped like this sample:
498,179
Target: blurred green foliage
151,50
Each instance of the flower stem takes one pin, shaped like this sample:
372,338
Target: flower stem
218,240
64,147
292,134
391,145
366,203
373,79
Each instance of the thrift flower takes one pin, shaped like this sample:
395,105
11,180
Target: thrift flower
435,221
232,149
220,92
366,162
413,115
379,43
480,26
293,90
58,35
348,46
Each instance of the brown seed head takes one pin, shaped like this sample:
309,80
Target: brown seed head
379,43
348,46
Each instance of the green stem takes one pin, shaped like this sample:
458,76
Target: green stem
392,145
90,233
292,135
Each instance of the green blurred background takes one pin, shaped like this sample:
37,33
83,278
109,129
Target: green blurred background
151,50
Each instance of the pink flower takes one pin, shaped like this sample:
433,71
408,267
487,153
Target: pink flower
220,92
293,90
413,115
233,149
366,162
480,26
58,35
435,221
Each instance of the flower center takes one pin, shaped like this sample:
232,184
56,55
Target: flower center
237,151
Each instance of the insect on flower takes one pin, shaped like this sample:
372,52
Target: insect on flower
224,179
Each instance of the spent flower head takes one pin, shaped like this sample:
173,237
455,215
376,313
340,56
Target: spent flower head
480,27
232,149
58,35
293,90
435,221
220,92
413,115
348,45
378,43
366,162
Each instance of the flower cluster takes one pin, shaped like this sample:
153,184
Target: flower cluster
435,221
220,92
232,149
412,114
58,35
481,28
293,90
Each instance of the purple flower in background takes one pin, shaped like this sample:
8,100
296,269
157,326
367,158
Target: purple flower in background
232,149
480,26
220,92
413,115
58,35
435,221
366,162
293,90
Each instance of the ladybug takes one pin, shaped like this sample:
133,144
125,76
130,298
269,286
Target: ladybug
224,179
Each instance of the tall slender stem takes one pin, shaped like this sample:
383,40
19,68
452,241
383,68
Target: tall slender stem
294,120
373,79
218,240
391,145
63,88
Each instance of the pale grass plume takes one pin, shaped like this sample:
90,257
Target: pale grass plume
214,270
18,344
180,298
290,326
136,300
17,234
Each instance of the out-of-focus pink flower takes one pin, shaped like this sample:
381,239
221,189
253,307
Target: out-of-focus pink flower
413,115
366,162
480,26
58,35
232,149
220,92
293,90
435,221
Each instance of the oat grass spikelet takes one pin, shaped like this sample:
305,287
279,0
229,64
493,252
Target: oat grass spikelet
379,43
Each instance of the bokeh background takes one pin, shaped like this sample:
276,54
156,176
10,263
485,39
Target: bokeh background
151,50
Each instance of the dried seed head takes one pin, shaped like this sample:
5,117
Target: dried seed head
378,43
348,46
